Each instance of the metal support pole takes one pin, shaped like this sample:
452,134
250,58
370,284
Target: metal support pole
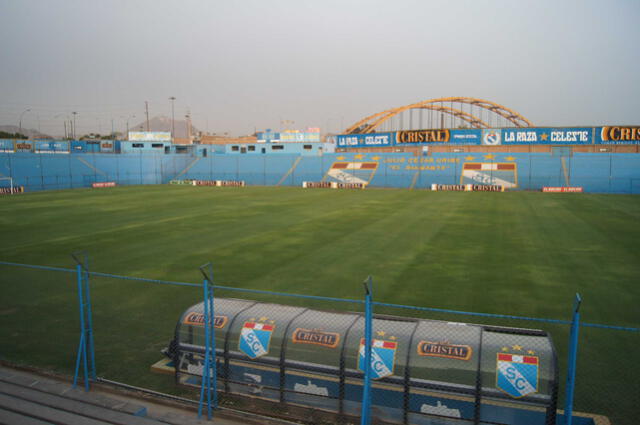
86,352
365,418
571,362
209,384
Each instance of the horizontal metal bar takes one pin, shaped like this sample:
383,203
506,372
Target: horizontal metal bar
321,298
142,279
284,294
31,266
192,402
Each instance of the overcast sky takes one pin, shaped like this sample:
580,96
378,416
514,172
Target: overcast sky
240,65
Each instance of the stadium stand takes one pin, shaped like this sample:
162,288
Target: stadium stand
30,399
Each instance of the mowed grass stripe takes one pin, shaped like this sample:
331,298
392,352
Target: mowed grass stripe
513,252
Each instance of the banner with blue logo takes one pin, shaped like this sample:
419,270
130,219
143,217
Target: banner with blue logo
547,136
373,140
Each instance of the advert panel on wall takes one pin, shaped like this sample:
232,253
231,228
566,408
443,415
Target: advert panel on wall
299,137
50,146
617,135
23,146
547,136
107,146
421,137
456,136
149,136
463,136
373,140
6,146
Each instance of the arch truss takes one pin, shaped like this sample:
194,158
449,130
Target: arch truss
453,107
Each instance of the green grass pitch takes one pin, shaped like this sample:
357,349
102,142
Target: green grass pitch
518,253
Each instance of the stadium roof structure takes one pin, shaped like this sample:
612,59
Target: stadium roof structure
452,106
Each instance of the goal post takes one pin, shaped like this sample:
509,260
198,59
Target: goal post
7,187
7,182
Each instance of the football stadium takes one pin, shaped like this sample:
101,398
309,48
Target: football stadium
444,262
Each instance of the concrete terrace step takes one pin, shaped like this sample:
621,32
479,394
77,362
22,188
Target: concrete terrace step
50,386
7,417
48,414
82,409
32,398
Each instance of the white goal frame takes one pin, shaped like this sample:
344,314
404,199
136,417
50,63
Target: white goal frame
10,183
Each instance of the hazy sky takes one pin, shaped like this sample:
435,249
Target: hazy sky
240,65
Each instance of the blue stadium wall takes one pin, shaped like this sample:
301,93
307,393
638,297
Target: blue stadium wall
595,172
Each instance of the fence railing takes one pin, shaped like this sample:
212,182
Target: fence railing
256,349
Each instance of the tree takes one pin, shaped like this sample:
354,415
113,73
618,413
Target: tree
5,135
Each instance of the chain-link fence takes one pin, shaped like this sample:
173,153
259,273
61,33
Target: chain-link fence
304,357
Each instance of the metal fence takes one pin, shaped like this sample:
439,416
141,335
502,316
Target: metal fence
319,359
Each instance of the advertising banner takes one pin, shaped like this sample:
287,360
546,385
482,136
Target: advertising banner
420,137
103,184
50,146
471,136
566,189
78,146
6,146
299,137
373,140
150,136
617,135
23,146
547,136
107,146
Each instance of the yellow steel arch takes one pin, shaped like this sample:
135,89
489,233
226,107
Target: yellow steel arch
370,123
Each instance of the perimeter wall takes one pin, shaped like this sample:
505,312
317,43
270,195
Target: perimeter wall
595,172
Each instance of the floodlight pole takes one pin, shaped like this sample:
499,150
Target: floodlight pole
20,121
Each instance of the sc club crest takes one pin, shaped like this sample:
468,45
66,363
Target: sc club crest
491,137
517,374
383,356
255,337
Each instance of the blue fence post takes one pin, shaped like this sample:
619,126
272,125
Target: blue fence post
209,370
365,418
571,362
86,354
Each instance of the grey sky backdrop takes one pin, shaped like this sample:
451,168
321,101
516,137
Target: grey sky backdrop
240,65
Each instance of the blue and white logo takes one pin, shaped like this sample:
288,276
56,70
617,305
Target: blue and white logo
255,338
491,137
383,355
517,375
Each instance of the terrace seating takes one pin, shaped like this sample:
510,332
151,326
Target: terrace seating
30,399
